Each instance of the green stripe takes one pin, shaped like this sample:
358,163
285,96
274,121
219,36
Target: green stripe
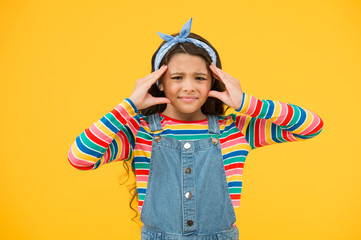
232,130
251,132
235,190
91,144
188,137
235,159
113,120
144,136
141,196
141,165
296,115
126,132
264,109
279,134
112,152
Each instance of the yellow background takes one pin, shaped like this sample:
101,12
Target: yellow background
64,64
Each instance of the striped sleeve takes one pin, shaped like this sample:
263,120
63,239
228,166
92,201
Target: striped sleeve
110,139
267,122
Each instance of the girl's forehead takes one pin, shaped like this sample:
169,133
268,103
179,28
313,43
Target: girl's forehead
187,63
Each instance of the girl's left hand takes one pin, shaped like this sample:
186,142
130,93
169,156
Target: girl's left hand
233,94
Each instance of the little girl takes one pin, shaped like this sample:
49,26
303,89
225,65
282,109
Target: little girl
188,157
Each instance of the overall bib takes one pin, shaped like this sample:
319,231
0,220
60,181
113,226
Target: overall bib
187,194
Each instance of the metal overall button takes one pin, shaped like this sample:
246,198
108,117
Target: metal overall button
187,145
157,138
214,141
188,170
190,223
188,195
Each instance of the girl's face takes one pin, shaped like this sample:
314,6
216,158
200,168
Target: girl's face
186,84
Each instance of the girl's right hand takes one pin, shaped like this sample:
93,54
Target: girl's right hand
140,96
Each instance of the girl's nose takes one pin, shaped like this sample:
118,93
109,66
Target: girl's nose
188,85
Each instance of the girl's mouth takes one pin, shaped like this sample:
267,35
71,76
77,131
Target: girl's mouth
187,99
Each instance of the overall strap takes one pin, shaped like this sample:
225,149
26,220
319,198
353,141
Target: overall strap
213,124
154,122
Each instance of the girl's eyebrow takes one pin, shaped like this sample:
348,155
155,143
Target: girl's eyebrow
182,73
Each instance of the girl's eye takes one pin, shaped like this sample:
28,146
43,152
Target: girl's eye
179,77
201,78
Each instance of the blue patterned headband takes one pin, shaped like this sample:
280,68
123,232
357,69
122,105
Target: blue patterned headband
181,38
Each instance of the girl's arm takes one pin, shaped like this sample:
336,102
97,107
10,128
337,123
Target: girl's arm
110,139
265,122
268,122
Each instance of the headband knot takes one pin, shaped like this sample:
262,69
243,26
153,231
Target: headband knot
181,38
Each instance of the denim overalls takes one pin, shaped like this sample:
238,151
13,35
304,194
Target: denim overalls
187,193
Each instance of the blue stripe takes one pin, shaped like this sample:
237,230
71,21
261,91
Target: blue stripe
230,126
300,121
141,159
97,164
87,150
274,133
271,108
109,125
243,96
132,104
116,149
142,190
235,153
235,184
132,139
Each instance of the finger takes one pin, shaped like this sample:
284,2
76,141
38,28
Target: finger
156,72
220,95
216,77
225,74
223,77
157,77
214,72
160,100
154,76
220,71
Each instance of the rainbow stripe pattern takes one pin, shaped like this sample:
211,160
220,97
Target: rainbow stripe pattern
123,134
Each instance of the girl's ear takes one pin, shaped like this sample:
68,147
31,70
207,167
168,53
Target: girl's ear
160,86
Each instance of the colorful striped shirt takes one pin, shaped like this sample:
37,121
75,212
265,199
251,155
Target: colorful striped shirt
123,134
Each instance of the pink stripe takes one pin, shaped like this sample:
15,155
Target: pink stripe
79,162
144,147
106,155
127,117
123,112
230,143
100,134
133,127
252,105
139,208
291,137
241,122
262,132
236,171
236,203
142,178
283,114
315,122
143,123
170,122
